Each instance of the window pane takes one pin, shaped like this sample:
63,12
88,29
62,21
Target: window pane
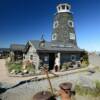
67,7
59,8
63,6
31,57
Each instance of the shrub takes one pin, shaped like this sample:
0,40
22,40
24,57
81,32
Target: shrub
65,65
85,58
30,67
17,67
14,66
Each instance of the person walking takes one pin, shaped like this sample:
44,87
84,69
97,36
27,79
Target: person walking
57,64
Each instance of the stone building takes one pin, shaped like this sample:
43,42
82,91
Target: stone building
63,41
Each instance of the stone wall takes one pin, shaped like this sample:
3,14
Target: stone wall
35,58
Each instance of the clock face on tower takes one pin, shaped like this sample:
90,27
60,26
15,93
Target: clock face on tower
72,36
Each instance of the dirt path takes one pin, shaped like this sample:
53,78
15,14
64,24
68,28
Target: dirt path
4,77
3,70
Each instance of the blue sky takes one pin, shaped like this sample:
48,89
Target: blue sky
23,20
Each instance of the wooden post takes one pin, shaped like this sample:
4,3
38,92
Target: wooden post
46,71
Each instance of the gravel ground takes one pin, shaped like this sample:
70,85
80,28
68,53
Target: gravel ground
26,91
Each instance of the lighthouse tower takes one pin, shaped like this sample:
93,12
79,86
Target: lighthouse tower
63,26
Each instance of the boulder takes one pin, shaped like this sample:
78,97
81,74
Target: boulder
86,82
13,71
91,69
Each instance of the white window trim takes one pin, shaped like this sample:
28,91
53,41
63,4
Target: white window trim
70,21
72,57
55,24
63,10
54,35
72,36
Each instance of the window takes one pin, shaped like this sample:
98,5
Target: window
67,7
46,58
55,25
23,57
59,8
72,36
31,57
63,7
73,57
70,23
54,36
42,44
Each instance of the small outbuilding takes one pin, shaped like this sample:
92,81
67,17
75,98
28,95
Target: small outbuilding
17,51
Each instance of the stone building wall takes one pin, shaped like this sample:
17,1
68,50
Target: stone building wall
32,56
62,29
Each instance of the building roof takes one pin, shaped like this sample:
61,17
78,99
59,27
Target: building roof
4,49
50,46
17,47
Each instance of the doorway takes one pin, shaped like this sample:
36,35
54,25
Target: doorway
51,60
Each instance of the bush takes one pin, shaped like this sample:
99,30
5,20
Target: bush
30,67
66,65
85,58
14,66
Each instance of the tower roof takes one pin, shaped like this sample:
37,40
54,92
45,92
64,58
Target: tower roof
64,7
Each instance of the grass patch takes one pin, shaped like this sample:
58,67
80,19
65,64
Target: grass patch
14,66
17,67
88,91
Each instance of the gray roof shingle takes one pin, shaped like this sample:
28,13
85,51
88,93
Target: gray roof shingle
17,47
49,46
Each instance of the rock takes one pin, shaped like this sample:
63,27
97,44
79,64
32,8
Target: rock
62,70
25,71
91,68
38,72
75,66
86,82
78,63
13,71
